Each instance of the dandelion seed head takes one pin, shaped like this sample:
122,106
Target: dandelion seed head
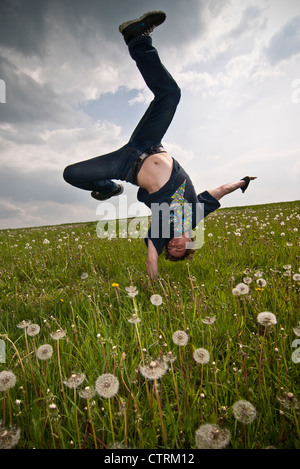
23,324
57,335
201,356
259,273
75,380
7,380
266,318
296,277
107,385
156,300
261,282
9,437
87,393
134,319
180,338
242,289
44,352
210,436
33,330
209,320
244,411
289,401
247,280
84,275
170,357
155,370
131,291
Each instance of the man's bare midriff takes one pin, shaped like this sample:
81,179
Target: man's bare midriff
155,172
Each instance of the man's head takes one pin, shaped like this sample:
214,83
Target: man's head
175,249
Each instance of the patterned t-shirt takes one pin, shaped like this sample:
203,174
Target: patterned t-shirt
175,207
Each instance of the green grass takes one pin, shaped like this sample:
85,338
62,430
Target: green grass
42,283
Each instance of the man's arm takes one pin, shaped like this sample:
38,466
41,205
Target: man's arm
152,260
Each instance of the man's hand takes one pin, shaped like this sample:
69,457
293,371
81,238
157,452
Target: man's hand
152,261
152,269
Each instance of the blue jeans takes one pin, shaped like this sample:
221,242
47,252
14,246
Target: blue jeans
96,174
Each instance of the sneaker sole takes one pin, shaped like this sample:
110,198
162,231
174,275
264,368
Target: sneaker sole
137,20
120,191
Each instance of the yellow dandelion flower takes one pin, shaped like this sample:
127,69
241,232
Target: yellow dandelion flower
115,285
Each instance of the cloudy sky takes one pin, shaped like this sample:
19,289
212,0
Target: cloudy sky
72,92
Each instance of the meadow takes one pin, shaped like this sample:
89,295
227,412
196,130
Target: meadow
96,355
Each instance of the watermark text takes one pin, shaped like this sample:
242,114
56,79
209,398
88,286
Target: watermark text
296,93
2,91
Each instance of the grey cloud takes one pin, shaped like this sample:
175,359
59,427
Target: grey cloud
23,25
251,17
28,28
9,210
38,186
286,42
27,100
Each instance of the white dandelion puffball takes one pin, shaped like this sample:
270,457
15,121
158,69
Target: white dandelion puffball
266,318
9,437
210,436
107,385
241,289
156,300
57,335
209,320
7,380
244,411
33,330
23,324
261,282
87,393
131,291
155,370
44,352
75,380
180,338
134,319
201,355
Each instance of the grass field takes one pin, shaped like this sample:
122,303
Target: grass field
114,375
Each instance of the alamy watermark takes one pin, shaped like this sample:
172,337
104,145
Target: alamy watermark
2,351
167,221
2,91
296,353
296,93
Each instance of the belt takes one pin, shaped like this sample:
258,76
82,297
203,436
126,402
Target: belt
141,159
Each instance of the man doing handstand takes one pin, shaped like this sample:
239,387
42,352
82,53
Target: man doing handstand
144,162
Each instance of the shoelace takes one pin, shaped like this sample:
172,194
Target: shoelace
149,31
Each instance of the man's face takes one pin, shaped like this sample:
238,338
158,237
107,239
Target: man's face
177,246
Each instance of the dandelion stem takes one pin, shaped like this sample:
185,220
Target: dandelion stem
176,392
160,413
111,421
60,374
92,422
76,419
296,422
260,362
30,364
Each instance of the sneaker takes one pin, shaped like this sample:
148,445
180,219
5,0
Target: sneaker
99,196
142,26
